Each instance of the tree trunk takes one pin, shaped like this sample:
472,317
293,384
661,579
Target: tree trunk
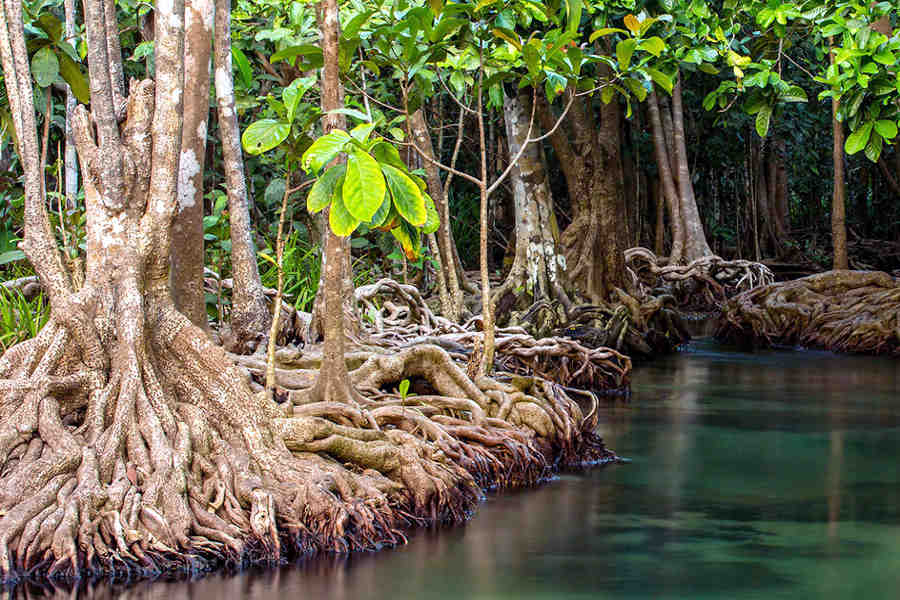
666,178
250,317
694,236
187,234
838,220
71,160
588,153
537,266
419,130
333,383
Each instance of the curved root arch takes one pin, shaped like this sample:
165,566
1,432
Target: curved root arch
716,277
845,311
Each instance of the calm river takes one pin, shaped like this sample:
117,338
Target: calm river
771,475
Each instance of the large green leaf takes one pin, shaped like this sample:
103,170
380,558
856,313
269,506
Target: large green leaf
265,134
73,75
293,93
406,195
341,221
362,132
364,186
624,50
323,150
382,213
661,79
386,153
857,140
763,118
409,240
45,66
323,189
433,220
886,129
243,65
654,45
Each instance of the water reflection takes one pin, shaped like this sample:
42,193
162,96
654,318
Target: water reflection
771,475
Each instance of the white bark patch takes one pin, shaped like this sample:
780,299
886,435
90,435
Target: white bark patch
188,168
224,88
201,131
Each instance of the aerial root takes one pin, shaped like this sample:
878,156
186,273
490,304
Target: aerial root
709,278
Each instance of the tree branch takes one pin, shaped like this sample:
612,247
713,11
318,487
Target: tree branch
39,243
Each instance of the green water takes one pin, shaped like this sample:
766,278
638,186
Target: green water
771,475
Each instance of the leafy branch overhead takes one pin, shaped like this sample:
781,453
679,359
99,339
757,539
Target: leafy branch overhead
372,187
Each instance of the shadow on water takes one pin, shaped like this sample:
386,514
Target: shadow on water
768,475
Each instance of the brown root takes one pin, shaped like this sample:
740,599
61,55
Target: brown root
166,459
701,284
844,311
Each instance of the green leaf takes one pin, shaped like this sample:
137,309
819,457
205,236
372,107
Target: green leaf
45,67
636,88
243,65
532,58
382,213
364,186
351,112
341,221
73,75
322,191
763,118
886,129
573,11
857,140
604,31
11,256
406,195
794,93
263,135
874,147
409,240
653,45
293,93
323,150
274,192
624,51
387,153
661,79
433,220
403,388
51,25
362,132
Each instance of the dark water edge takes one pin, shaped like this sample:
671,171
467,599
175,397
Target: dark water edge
767,475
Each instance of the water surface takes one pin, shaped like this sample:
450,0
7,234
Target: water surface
768,475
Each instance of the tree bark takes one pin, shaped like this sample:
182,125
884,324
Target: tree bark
187,253
589,157
419,130
71,159
696,245
537,266
838,219
250,317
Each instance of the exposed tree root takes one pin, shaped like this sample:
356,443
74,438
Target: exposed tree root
845,311
703,283
163,459
395,316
